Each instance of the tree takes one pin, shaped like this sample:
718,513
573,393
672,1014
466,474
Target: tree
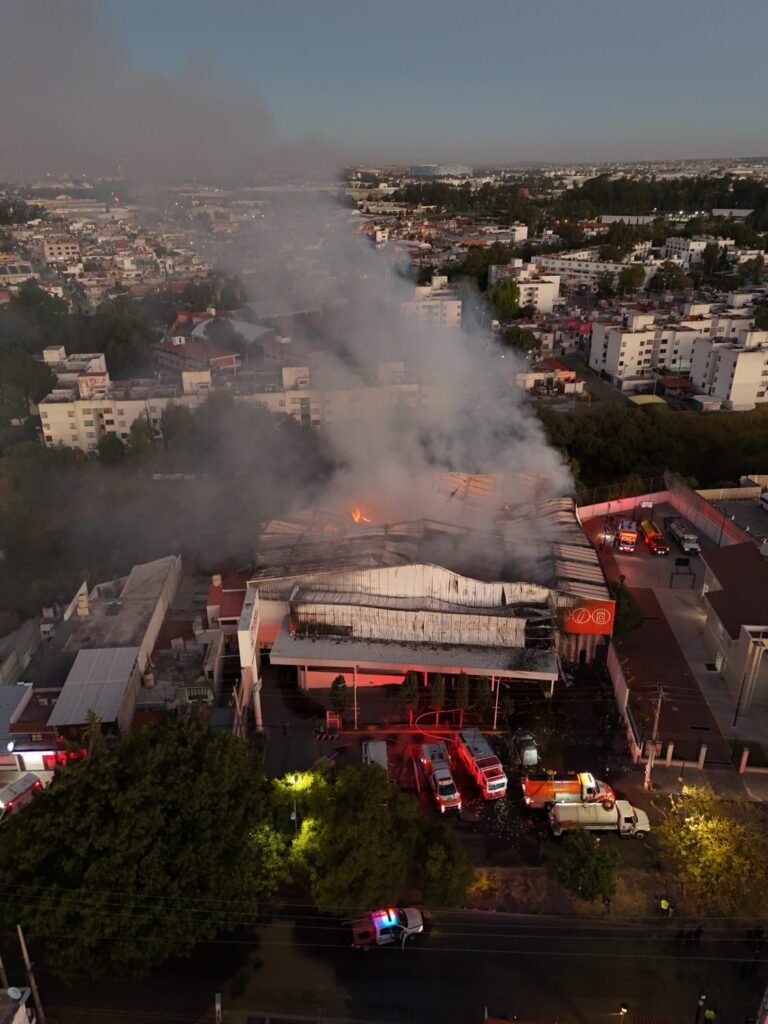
110,854
111,449
631,279
628,613
93,735
461,697
606,287
357,845
339,696
718,850
586,867
504,297
436,691
761,317
521,339
483,696
447,870
409,691
141,439
12,403
669,277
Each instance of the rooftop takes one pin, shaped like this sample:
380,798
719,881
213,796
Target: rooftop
743,574
97,682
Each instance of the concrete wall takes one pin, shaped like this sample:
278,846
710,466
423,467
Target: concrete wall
620,505
621,693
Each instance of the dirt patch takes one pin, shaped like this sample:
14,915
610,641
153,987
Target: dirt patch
534,891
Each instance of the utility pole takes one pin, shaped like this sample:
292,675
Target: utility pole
654,737
31,976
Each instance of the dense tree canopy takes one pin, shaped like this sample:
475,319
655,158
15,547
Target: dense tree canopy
610,443
133,856
504,297
587,867
718,850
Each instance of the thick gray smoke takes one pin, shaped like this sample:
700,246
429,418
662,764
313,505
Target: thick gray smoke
72,100
466,418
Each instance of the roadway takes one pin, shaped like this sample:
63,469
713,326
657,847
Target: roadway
540,969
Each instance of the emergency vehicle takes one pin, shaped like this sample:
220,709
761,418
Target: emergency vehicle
688,541
481,763
385,927
654,538
15,795
582,788
434,758
627,535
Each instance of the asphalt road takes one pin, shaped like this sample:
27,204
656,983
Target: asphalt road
546,970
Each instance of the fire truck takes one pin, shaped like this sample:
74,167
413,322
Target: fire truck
434,758
627,535
481,763
654,538
582,788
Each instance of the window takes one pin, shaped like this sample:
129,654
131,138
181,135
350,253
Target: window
107,411
124,436
121,412
87,412
87,423
43,415
90,433
109,423
761,394
71,415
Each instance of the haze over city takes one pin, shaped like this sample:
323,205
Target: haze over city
383,512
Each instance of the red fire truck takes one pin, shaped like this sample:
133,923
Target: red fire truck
627,535
481,763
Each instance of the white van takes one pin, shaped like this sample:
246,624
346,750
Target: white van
688,541
375,752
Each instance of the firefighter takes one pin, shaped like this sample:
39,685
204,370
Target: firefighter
665,906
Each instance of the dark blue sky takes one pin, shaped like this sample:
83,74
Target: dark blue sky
482,80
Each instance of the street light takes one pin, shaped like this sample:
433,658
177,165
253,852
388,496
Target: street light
623,1010
700,1006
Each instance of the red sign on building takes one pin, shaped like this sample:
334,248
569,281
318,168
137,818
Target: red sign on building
593,617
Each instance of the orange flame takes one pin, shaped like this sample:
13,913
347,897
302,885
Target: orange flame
358,517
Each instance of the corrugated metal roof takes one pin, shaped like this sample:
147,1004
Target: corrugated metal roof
97,682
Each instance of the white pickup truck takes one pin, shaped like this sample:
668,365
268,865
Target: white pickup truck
622,817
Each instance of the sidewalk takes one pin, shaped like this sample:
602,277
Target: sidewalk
725,782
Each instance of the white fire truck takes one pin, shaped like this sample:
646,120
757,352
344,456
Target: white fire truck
434,758
481,763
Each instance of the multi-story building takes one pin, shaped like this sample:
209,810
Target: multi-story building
584,268
686,250
435,304
74,421
540,291
640,343
734,372
61,250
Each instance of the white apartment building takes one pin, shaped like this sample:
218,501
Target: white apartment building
71,421
538,290
686,250
583,267
734,372
435,304
639,344
86,371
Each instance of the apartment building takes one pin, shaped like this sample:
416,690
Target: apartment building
736,373
303,394
641,343
583,267
61,250
72,421
435,304
540,291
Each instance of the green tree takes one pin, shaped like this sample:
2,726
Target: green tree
628,613
483,695
670,276
718,850
504,297
761,317
409,691
357,845
462,691
436,691
631,279
447,870
521,339
586,867
606,285
111,449
339,695
141,440
93,735
12,403
109,858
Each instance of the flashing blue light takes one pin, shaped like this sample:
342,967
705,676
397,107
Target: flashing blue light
385,918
